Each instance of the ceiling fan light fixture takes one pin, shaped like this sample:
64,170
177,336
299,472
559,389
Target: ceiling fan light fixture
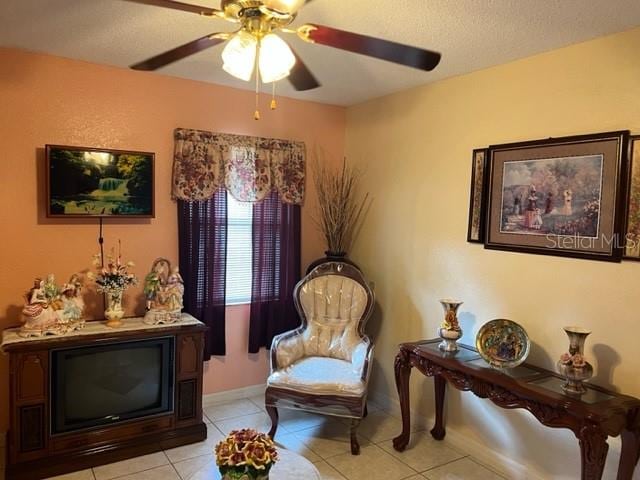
283,6
276,58
239,56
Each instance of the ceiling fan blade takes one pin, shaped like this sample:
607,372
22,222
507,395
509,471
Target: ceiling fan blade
181,52
301,77
373,47
185,7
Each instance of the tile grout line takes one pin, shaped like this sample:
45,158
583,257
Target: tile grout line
445,463
133,473
175,470
478,462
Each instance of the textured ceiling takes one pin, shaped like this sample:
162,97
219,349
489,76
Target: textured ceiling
470,34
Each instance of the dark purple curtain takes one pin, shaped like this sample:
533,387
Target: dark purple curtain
276,270
202,233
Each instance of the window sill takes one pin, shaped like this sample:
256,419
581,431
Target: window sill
239,302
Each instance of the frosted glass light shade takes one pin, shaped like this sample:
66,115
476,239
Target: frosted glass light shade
239,56
283,6
276,58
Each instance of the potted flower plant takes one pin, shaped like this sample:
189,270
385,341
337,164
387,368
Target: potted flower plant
246,455
112,279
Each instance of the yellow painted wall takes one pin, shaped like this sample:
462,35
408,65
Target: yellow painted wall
416,149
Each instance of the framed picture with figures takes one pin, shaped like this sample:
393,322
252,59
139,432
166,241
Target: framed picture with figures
560,196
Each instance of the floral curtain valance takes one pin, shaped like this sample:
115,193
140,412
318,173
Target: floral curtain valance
248,167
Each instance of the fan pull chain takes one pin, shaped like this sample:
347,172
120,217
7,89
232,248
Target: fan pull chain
256,114
273,96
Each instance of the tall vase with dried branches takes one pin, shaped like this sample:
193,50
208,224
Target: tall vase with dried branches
341,209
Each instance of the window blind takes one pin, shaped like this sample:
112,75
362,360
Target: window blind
239,251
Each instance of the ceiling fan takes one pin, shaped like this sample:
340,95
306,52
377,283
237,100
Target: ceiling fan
256,45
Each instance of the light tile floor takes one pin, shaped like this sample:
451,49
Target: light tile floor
322,440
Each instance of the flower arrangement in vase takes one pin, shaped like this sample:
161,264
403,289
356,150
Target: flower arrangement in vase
112,279
572,364
246,455
450,330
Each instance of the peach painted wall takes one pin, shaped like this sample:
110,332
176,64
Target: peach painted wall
46,99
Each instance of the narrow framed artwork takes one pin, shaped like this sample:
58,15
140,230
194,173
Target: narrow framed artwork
561,196
632,230
478,195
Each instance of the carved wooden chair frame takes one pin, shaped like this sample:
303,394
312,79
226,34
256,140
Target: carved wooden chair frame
355,405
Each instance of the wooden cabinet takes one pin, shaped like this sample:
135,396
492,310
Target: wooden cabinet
188,388
34,452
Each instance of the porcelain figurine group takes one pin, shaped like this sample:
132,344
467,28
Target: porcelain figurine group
164,289
53,310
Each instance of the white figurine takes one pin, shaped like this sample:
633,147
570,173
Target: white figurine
51,311
72,303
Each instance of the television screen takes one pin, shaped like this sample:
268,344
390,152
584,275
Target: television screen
94,386
98,182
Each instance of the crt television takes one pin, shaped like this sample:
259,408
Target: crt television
115,382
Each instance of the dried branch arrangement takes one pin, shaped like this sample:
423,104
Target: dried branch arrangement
340,208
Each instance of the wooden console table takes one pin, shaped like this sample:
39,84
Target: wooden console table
592,417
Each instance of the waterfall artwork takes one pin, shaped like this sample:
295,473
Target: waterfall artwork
98,182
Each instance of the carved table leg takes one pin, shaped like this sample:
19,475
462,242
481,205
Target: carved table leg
593,451
630,454
403,372
438,432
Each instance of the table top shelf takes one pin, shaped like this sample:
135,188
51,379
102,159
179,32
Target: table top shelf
526,379
94,330
592,417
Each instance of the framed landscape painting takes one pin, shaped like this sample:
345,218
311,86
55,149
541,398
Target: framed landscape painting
92,182
562,196
632,237
477,204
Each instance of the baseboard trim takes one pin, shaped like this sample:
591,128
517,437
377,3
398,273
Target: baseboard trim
479,451
232,395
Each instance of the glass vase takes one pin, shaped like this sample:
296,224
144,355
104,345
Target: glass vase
450,331
114,311
572,366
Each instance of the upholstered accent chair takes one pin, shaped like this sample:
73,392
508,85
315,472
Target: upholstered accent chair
324,365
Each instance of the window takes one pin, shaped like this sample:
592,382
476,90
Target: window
239,251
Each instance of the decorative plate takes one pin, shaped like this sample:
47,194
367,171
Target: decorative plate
503,343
